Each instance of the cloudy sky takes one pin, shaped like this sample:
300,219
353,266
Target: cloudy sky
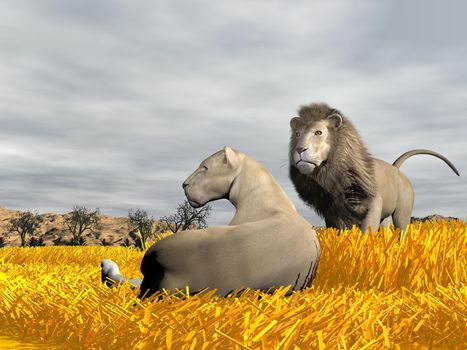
112,104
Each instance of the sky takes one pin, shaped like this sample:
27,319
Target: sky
112,104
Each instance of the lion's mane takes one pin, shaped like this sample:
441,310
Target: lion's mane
340,190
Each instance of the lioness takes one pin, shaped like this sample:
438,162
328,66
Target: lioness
333,172
266,245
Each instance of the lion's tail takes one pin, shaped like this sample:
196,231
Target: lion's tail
397,163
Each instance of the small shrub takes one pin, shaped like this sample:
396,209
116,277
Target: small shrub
81,241
105,243
37,242
59,241
126,243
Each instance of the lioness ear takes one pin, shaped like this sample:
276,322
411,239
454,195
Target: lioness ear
294,122
336,118
229,155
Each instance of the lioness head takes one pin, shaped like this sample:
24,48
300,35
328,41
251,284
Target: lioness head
213,178
313,134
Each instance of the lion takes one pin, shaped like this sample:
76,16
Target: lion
333,172
266,245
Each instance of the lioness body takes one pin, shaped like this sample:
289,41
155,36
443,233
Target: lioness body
266,245
334,173
232,257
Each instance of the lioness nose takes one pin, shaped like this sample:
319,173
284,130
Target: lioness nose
184,185
300,150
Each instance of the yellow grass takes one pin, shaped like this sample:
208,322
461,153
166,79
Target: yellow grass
371,292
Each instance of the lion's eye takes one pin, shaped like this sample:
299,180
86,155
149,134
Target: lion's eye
297,134
205,167
318,132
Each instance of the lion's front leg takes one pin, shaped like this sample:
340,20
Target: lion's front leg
110,275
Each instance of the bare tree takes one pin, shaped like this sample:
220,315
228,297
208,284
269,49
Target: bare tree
24,223
81,220
139,221
186,217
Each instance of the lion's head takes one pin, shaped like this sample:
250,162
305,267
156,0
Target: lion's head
213,178
330,166
313,135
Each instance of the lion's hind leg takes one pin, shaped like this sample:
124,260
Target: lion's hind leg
386,222
401,216
403,212
373,217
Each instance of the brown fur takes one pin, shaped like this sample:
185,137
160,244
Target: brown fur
333,172
342,188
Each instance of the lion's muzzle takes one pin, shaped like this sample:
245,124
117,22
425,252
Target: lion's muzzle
303,161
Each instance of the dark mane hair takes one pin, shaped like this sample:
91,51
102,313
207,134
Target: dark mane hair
340,188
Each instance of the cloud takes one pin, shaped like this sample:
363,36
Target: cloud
113,105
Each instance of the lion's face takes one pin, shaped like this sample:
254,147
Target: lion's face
310,143
212,179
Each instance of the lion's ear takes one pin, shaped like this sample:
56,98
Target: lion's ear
336,119
229,155
294,122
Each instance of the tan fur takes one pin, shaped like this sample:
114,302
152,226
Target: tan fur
267,244
335,174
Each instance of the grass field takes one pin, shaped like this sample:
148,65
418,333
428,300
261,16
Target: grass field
371,292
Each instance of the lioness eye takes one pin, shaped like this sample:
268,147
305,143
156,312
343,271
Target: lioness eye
318,132
205,167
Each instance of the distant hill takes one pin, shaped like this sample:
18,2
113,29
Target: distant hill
114,229
433,217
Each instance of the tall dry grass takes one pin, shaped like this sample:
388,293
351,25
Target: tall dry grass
371,292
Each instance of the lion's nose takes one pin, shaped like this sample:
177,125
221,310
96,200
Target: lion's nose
300,150
184,185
